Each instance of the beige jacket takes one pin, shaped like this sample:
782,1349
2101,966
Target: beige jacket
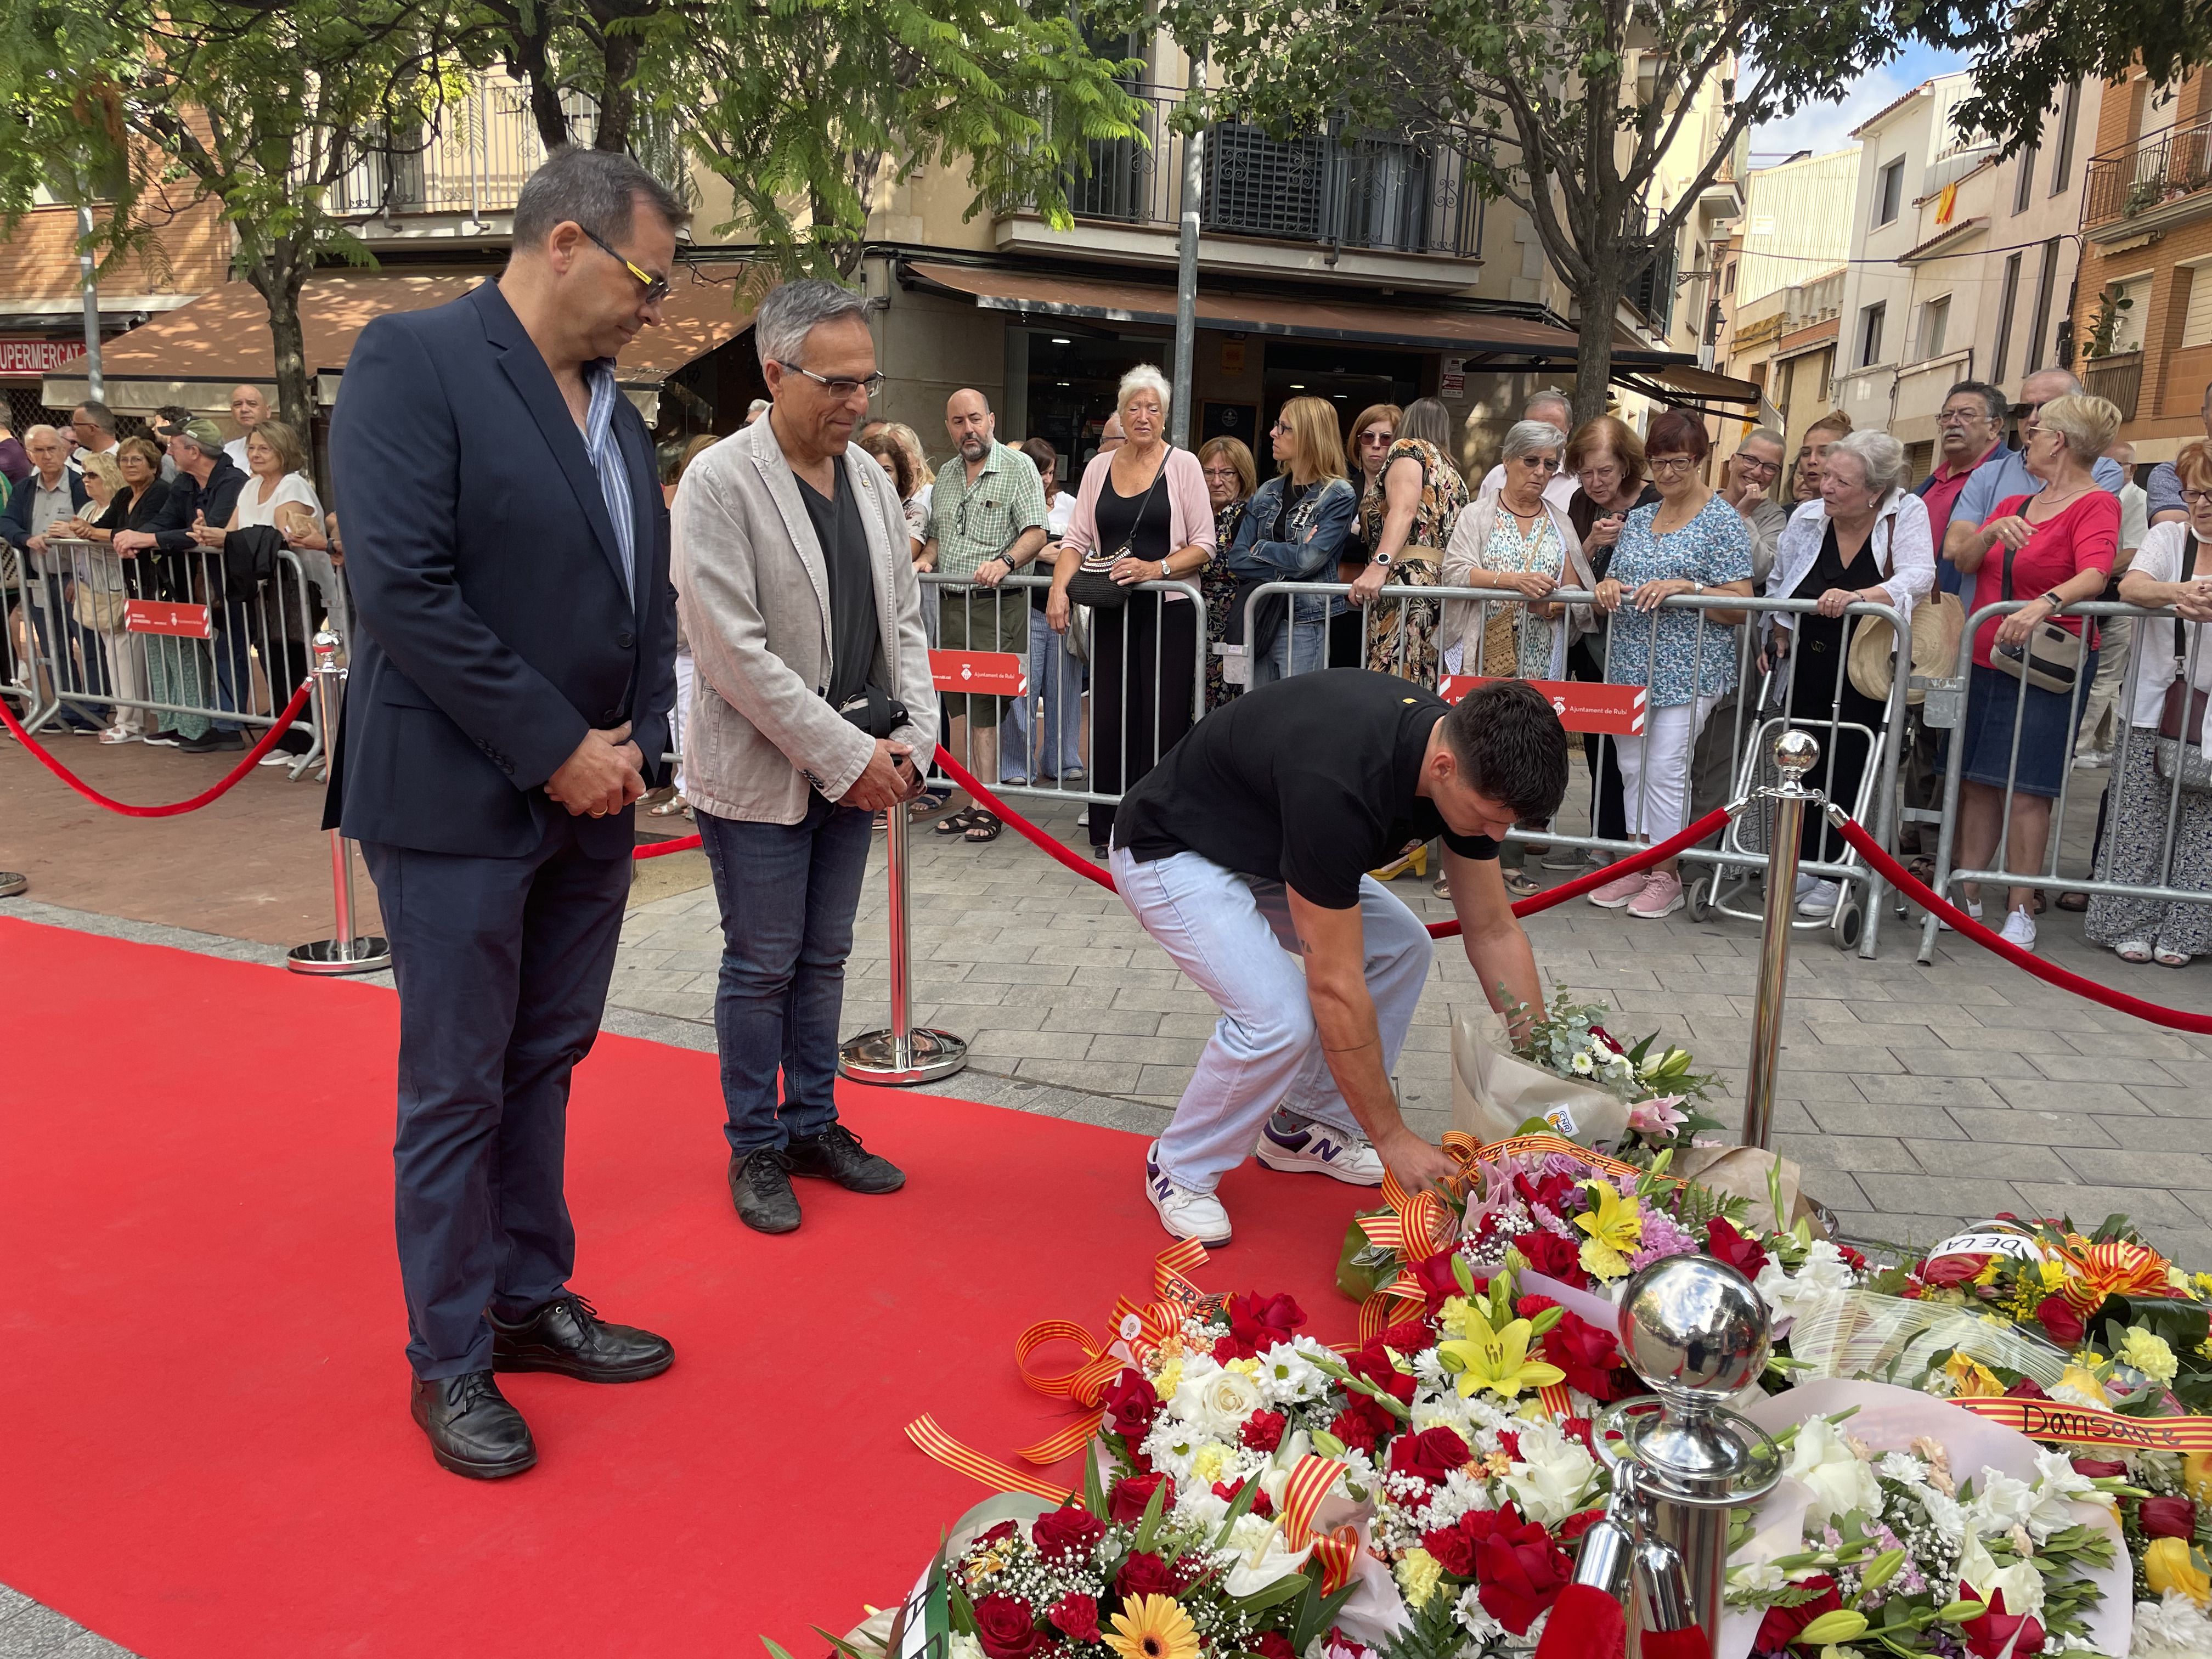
753,594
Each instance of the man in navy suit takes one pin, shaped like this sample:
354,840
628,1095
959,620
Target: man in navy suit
511,689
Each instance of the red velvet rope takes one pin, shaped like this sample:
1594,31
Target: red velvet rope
213,792
661,850
1903,880
1527,906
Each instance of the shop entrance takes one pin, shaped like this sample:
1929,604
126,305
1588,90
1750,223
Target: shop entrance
1351,377
1072,378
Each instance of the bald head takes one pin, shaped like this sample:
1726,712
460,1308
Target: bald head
247,406
1110,436
970,425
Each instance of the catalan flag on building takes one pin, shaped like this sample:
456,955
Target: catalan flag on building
1947,204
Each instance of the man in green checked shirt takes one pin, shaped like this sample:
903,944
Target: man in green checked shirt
987,519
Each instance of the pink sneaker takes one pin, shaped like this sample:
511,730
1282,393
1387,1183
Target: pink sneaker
1618,891
1661,897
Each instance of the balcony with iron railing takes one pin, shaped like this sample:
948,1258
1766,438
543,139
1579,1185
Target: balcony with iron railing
2118,378
2160,179
1362,194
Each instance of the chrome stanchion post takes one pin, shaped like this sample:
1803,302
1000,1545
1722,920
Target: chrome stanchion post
345,952
1795,754
900,1054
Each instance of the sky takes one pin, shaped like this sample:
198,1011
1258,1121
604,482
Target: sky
1822,127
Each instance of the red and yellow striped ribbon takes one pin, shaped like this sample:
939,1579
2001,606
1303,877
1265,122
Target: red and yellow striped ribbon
942,1448
2084,1426
1557,1401
1309,1483
2114,1267
1337,1553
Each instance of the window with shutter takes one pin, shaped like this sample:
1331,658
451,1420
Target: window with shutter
2196,319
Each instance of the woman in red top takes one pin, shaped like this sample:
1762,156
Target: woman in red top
2060,545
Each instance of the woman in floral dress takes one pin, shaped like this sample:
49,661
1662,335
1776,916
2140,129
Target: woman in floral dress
1407,520
1230,478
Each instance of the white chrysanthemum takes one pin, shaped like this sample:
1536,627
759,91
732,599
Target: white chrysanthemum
1475,1619
1287,1375
1823,1273
1839,1481
2171,1628
1903,1467
1551,1478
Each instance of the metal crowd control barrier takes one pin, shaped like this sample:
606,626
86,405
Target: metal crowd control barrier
2134,750
159,634
344,951
1717,772
1122,699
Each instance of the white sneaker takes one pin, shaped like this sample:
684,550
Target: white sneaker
1083,819
2095,760
2019,929
1819,899
116,734
1298,1145
277,757
1971,909
1184,1213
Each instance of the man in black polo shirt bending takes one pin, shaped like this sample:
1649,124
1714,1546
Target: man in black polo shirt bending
1250,844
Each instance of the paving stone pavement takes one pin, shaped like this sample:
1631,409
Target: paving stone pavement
1915,1098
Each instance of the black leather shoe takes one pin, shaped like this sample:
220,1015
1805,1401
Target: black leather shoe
567,1337
472,1429
836,1155
760,1186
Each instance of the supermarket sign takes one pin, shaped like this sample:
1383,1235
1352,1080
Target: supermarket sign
39,357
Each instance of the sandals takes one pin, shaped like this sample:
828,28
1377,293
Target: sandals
955,823
670,808
2136,950
982,827
1521,885
928,802
2074,901
2165,957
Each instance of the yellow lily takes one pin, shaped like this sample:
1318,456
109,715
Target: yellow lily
1615,1228
1496,1360
1970,1379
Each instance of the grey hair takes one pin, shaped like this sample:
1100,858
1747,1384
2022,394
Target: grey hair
1993,397
1880,455
102,415
796,309
1142,378
33,434
1550,394
1527,437
1427,419
598,189
1766,434
758,406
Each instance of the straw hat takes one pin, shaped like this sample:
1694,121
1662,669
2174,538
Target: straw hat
1938,623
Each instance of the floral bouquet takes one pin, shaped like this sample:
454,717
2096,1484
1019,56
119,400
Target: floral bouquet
1905,1527
2165,1515
1663,1096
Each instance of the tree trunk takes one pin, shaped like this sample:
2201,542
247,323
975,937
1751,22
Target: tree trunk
617,103
278,277
526,61
1598,298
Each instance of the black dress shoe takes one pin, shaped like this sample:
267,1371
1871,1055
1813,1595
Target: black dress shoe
472,1429
760,1186
567,1337
836,1155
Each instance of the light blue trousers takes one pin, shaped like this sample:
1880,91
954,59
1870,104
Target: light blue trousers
1233,937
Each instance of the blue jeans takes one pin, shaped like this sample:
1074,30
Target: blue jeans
1301,641
1058,678
1234,937
787,893
234,668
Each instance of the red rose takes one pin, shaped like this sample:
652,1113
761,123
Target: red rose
1946,1271
1008,1630
1077,1615
1587,1354
2057,1317
1131,1405
1576,1525
1273,1644
1257,1324
1521,1572
1429,1455
1554,1257
1780,1627
1987,1636
1066,1533
1262,1505
1372,1365
1722,1240
1004,1529
1439,1282
1145,1574
2026,1388
1263,1430
1553,1192
2100,1469
1361,1424
1132,1492
2167,1518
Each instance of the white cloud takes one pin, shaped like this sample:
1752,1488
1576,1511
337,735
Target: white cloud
1823,127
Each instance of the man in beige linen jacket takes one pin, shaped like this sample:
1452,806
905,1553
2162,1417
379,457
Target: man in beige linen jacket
800,605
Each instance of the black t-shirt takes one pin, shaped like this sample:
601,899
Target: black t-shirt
1309,781
854,634
1141,522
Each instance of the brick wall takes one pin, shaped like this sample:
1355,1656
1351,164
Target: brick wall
39,267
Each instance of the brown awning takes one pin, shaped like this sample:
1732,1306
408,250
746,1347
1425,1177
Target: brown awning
1477,334
222,338
1686,382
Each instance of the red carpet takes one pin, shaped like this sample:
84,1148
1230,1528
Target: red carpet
208,1451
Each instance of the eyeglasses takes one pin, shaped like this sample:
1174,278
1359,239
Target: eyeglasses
1542,462
1753,464
1961,416
2197,497
1379,440
1671,464
1278,429
1222,474
656,288
840,388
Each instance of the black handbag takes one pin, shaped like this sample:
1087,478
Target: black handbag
1093,582
2178,755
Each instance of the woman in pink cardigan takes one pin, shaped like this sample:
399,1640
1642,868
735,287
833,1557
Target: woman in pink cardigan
1146,502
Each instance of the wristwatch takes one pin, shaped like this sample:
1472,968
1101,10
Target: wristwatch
1380,559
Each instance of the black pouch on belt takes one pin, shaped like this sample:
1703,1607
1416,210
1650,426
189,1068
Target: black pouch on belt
876,712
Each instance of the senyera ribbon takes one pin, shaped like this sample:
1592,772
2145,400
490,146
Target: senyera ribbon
1336,1549
2085,1425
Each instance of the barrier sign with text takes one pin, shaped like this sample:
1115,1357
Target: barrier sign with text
1583,705
985,673
184,622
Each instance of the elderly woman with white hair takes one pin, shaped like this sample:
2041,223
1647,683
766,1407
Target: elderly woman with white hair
1145,503
1867,541
1517,538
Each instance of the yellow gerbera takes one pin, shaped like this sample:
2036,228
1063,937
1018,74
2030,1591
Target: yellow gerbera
1496,1360
1153,1627
1615,1228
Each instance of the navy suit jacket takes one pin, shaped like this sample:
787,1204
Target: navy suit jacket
493,626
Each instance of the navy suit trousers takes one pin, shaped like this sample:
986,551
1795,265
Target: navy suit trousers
503,966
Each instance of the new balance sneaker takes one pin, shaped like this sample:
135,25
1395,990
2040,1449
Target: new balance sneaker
2019,929
1618,891
1661,897
1296,1145
1185,1214
1820,899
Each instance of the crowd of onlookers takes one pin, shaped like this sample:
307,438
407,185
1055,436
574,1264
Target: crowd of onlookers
92,521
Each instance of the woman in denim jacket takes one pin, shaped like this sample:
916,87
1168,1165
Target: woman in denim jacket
1292,531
